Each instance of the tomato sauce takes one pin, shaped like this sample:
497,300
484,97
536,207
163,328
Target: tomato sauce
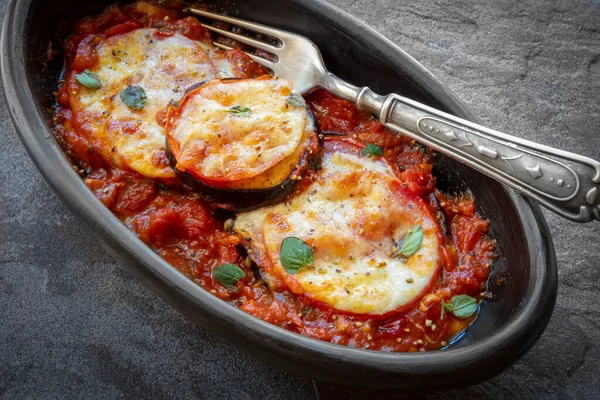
191,235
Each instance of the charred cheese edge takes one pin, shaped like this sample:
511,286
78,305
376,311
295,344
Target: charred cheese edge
164,68
352,216
239,133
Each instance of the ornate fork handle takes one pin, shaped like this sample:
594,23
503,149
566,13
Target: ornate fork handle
566,183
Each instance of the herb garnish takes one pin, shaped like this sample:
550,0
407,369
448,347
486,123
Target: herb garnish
296,100
371,150
295,254
228,274
89,79
134,97
239,111
410,243
462,306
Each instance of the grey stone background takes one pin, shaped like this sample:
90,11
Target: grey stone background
74,325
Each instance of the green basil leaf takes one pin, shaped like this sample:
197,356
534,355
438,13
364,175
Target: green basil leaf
89,79
228,274
294,255
411,242
296,100
371,150
462,306
239,111
134,97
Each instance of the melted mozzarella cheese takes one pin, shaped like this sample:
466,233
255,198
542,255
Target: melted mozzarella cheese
214,142
164,68
280,172
352,216
219,59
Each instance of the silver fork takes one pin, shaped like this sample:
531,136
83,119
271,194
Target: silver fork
566,183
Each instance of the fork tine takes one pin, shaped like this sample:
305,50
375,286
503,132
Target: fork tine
262,61
243,39
276,33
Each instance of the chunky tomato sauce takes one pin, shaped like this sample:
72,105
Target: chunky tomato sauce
192,236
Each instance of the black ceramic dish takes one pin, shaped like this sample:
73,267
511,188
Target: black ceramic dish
507,326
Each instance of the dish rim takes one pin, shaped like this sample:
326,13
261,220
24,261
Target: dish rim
524,328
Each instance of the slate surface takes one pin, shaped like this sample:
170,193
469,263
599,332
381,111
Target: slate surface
74,325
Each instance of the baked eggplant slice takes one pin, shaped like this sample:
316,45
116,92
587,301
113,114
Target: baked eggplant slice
354,240
242,143
116,105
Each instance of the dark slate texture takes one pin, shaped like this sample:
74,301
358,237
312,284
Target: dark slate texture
74,325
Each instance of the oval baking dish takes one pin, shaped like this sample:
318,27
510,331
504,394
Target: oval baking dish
523,282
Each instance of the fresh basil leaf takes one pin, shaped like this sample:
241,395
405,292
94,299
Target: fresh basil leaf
228,274
89,79
462,306
411,242
296,100
239,111
371,150
294,255
134,97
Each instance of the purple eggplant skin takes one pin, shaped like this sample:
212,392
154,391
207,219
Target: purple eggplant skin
240,200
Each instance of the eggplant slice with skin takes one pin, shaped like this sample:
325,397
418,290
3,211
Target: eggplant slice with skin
352,217
242,143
